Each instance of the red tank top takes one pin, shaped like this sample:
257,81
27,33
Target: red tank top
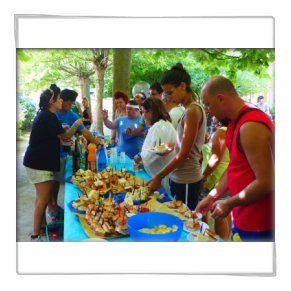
259,215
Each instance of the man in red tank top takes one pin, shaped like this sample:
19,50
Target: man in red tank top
250,176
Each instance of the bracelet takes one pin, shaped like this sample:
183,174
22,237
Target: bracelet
161,175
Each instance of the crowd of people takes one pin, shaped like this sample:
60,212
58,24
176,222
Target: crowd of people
228,175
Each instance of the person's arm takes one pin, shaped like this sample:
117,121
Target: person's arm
70,132
89,136
220,188
256,145
137,131
79,108
218,148
192,121
109,124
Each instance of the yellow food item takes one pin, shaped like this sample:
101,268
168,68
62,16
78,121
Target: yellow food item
162,229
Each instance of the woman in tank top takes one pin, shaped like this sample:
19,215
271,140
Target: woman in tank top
184,169
86,113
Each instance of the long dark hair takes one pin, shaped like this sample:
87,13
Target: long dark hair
157,108
46,95
176,76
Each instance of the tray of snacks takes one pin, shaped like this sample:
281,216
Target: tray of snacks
192,225
207,236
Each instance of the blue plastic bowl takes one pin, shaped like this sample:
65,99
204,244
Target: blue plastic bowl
150,220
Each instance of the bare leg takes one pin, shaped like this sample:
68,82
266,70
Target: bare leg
224,228
55,193
43,196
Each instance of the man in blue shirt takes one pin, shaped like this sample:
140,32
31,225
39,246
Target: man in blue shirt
67,119
130,144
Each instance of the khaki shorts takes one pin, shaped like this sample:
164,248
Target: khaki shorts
38,176
59,176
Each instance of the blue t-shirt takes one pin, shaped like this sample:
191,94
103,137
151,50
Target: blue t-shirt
130,144
68,119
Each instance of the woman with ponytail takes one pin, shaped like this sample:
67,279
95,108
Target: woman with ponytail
42,156
184,169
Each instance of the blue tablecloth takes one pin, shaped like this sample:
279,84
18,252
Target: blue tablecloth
73,230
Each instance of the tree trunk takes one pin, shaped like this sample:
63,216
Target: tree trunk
99,88
85,89
121,72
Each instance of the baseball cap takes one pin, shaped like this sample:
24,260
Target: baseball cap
260,97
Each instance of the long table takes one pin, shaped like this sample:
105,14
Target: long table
73,230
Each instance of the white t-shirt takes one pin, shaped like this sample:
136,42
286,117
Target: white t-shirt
176,114
263,106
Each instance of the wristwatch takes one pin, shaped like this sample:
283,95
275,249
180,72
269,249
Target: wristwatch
161,175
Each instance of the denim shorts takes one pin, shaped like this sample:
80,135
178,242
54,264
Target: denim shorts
254,236
179,190
38,176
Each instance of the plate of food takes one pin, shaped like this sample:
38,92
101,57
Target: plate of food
191,225
177,205
208,236
193,215
159,149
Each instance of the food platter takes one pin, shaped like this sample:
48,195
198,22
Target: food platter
196,231
193,237
174,209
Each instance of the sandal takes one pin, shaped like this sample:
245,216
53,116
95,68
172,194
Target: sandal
52,215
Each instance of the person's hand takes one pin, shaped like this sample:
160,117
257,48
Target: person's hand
129,131
221,209
154,183
139,165
79,122
170,147
113,141
104,114
136,159
204,205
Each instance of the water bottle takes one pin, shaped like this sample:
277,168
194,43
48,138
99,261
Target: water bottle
104,145
76,158
102,162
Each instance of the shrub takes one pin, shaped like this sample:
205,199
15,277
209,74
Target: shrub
26,113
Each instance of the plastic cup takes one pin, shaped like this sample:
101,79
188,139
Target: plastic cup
122,157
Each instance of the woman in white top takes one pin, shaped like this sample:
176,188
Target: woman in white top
161,131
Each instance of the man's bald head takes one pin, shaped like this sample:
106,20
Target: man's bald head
219,85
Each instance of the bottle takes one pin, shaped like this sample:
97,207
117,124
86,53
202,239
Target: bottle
86,158
92,157
76,158
104,145
102,162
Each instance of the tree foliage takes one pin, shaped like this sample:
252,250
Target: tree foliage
246,68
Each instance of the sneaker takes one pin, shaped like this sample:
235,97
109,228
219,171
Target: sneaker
52,215
38,239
